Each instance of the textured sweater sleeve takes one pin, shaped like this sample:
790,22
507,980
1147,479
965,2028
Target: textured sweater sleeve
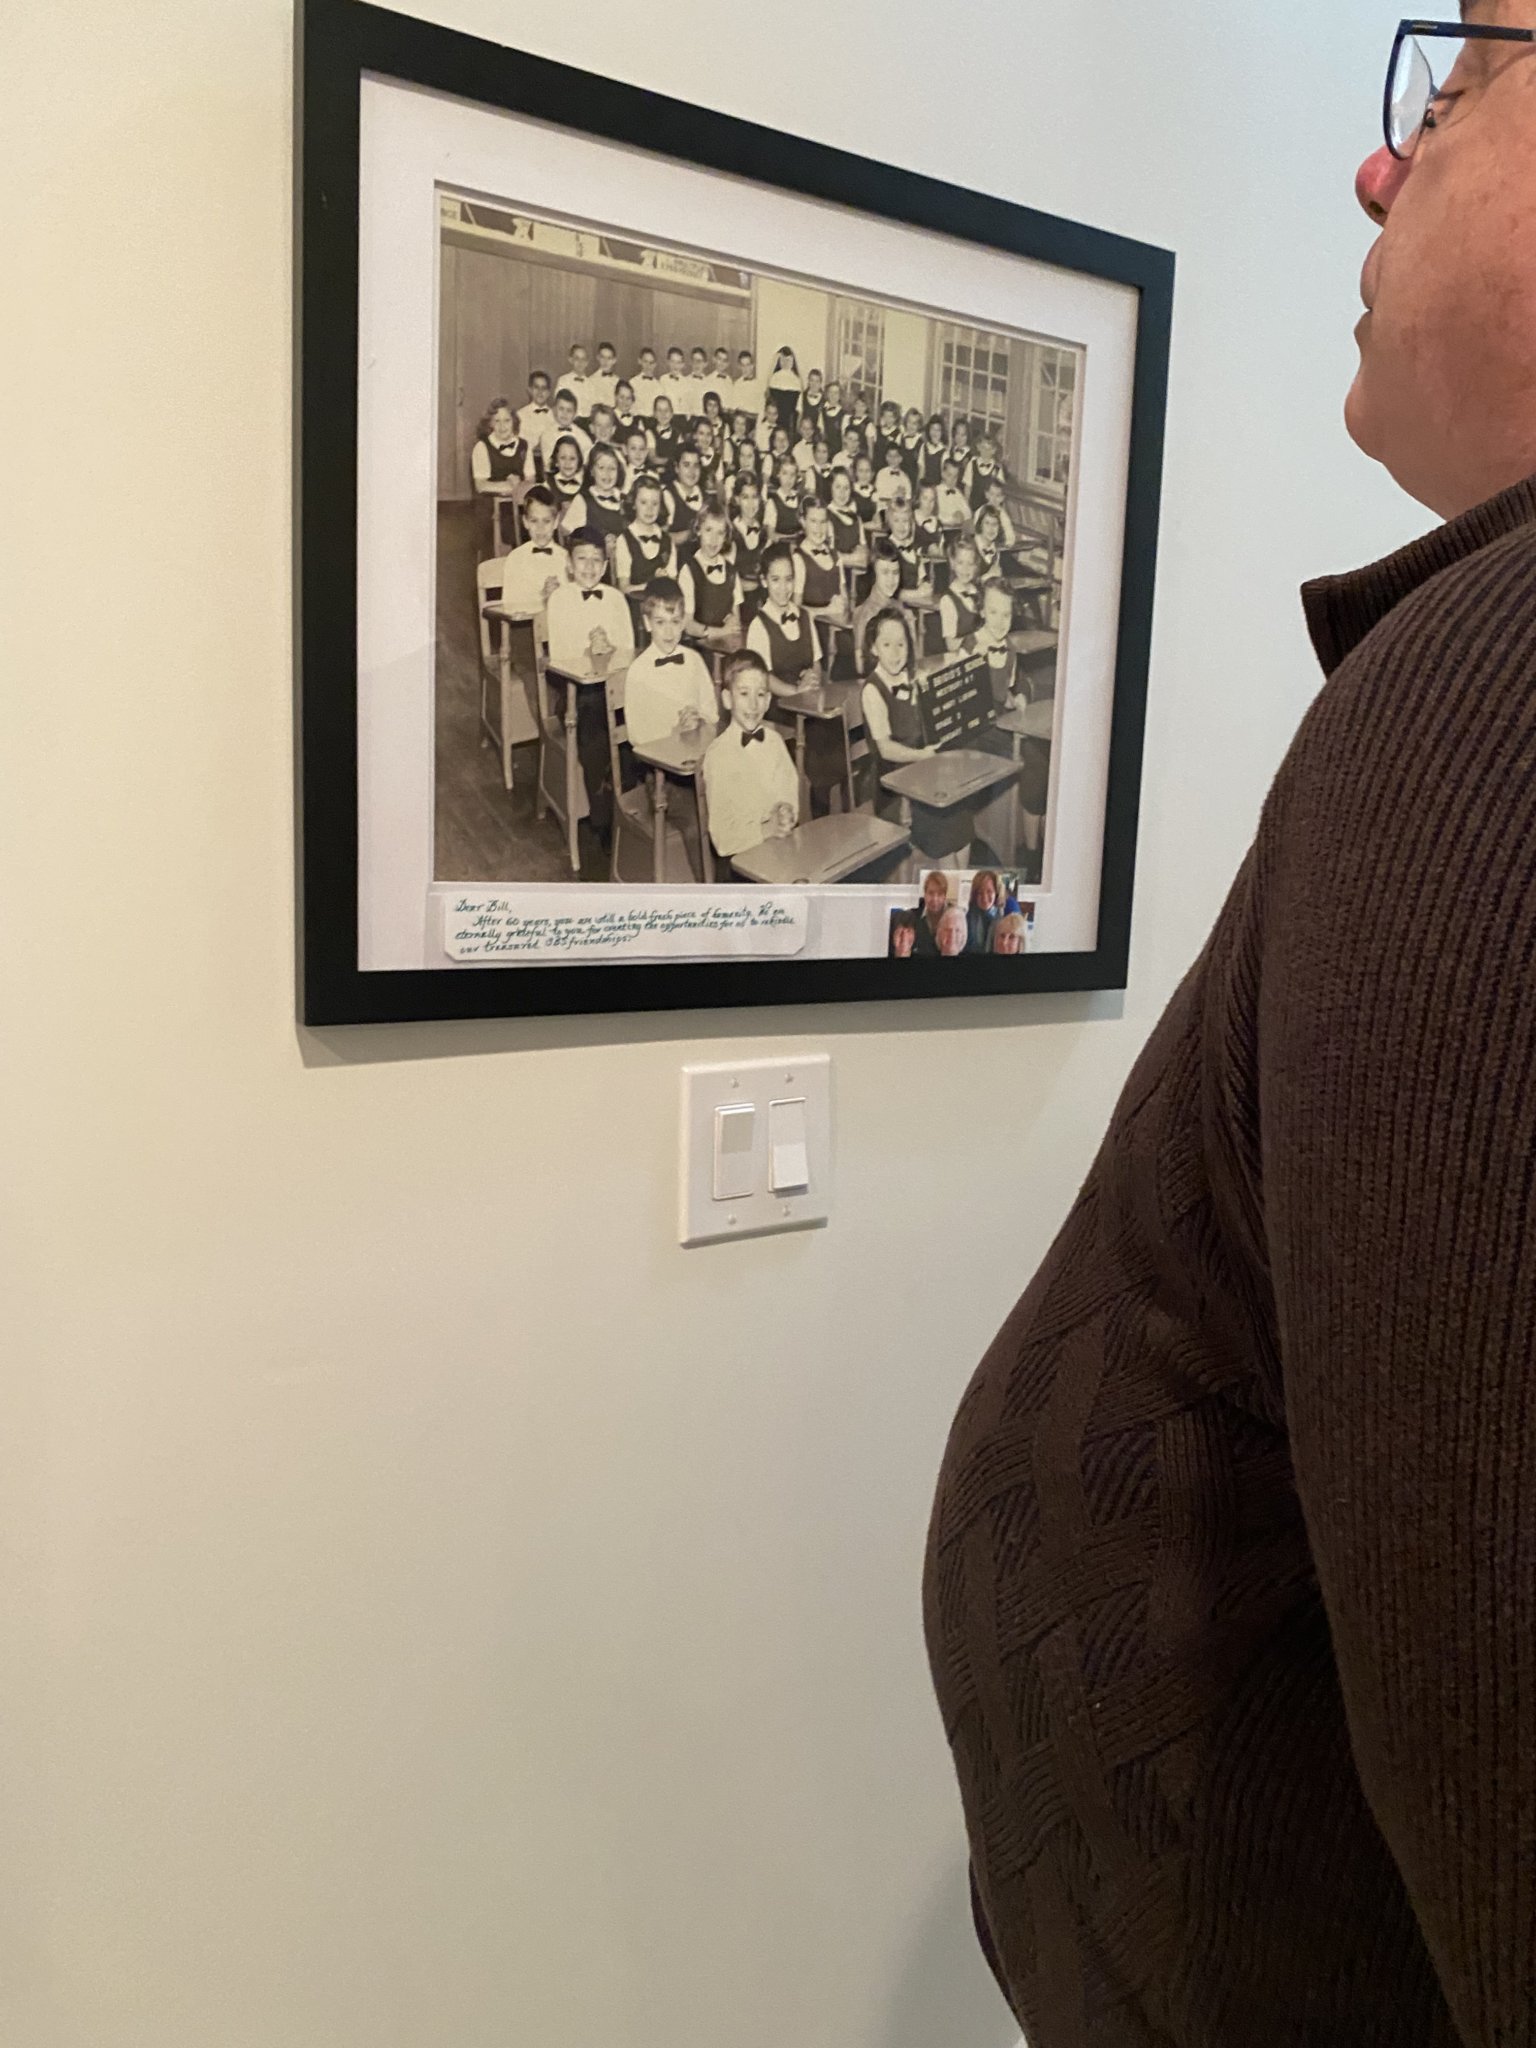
1397,1079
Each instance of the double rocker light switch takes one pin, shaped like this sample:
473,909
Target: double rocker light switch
756,1147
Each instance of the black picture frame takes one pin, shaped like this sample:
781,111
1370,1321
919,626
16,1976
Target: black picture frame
338,42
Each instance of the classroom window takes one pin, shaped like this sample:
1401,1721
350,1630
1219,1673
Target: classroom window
1055,399
973,378
859,349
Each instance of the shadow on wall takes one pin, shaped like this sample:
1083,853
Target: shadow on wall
945,1996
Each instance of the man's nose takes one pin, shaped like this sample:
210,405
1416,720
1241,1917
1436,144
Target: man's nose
1378,181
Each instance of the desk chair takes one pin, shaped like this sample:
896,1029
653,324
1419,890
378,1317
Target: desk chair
636,821
506,512
516,723
562,787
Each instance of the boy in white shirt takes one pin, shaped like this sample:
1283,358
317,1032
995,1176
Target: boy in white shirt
721,381
698,382
954,505
891,479
590,634
747,396
646,384
674,385
532,573
749,779
576,379
668,688
603,382
536,415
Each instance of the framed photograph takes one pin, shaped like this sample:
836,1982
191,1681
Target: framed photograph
726,564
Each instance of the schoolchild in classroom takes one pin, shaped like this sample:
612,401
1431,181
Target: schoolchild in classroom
747,396
857,417
887,432
864,487
902,530
603,382
750,784
934,451
1013,687
687,497
783,510
645,548
720,380
645,383
669,436
818,572
531,573
783,633
577,379
843,516
668,687
637,459
813,401
711,586
852,448
501,465
566,473
989,541
885,591
674,383
995,498
775,447
600,503
954,505
602,429
960,606
749,535
590,634
833,415
960,448
714,472
698,379
536,415
894,727
625,416
912,444
804,450
984,467
925,518
562,424
891,479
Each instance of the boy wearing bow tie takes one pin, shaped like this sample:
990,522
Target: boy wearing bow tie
532,573
668,688
590,632
711,588
535,416
750,783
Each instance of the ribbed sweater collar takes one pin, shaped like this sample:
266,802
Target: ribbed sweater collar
1341,610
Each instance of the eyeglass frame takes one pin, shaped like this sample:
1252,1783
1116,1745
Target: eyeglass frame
1463,31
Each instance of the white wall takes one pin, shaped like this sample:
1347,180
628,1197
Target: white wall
439,1609
905,362
788,316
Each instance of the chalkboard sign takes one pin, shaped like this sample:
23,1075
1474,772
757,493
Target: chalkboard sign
955,700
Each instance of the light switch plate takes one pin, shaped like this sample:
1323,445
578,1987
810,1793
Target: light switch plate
733,1084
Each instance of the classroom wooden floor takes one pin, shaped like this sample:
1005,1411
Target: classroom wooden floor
482,833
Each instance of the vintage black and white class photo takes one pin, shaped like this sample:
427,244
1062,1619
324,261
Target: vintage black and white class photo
739,578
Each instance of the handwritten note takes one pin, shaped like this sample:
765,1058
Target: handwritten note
574,925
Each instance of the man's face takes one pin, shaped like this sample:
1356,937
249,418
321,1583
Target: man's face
648,361
579,360
722,362
699,361
606,360
675,361
1445,395
747,699
951,934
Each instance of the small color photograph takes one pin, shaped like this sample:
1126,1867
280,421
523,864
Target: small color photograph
959,913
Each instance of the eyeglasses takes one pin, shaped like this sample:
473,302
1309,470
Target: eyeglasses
1409,107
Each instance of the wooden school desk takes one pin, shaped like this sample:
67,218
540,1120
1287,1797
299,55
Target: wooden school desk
823,850
824,701
674,755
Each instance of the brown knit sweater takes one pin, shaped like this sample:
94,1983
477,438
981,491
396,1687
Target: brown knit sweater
1231,1586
